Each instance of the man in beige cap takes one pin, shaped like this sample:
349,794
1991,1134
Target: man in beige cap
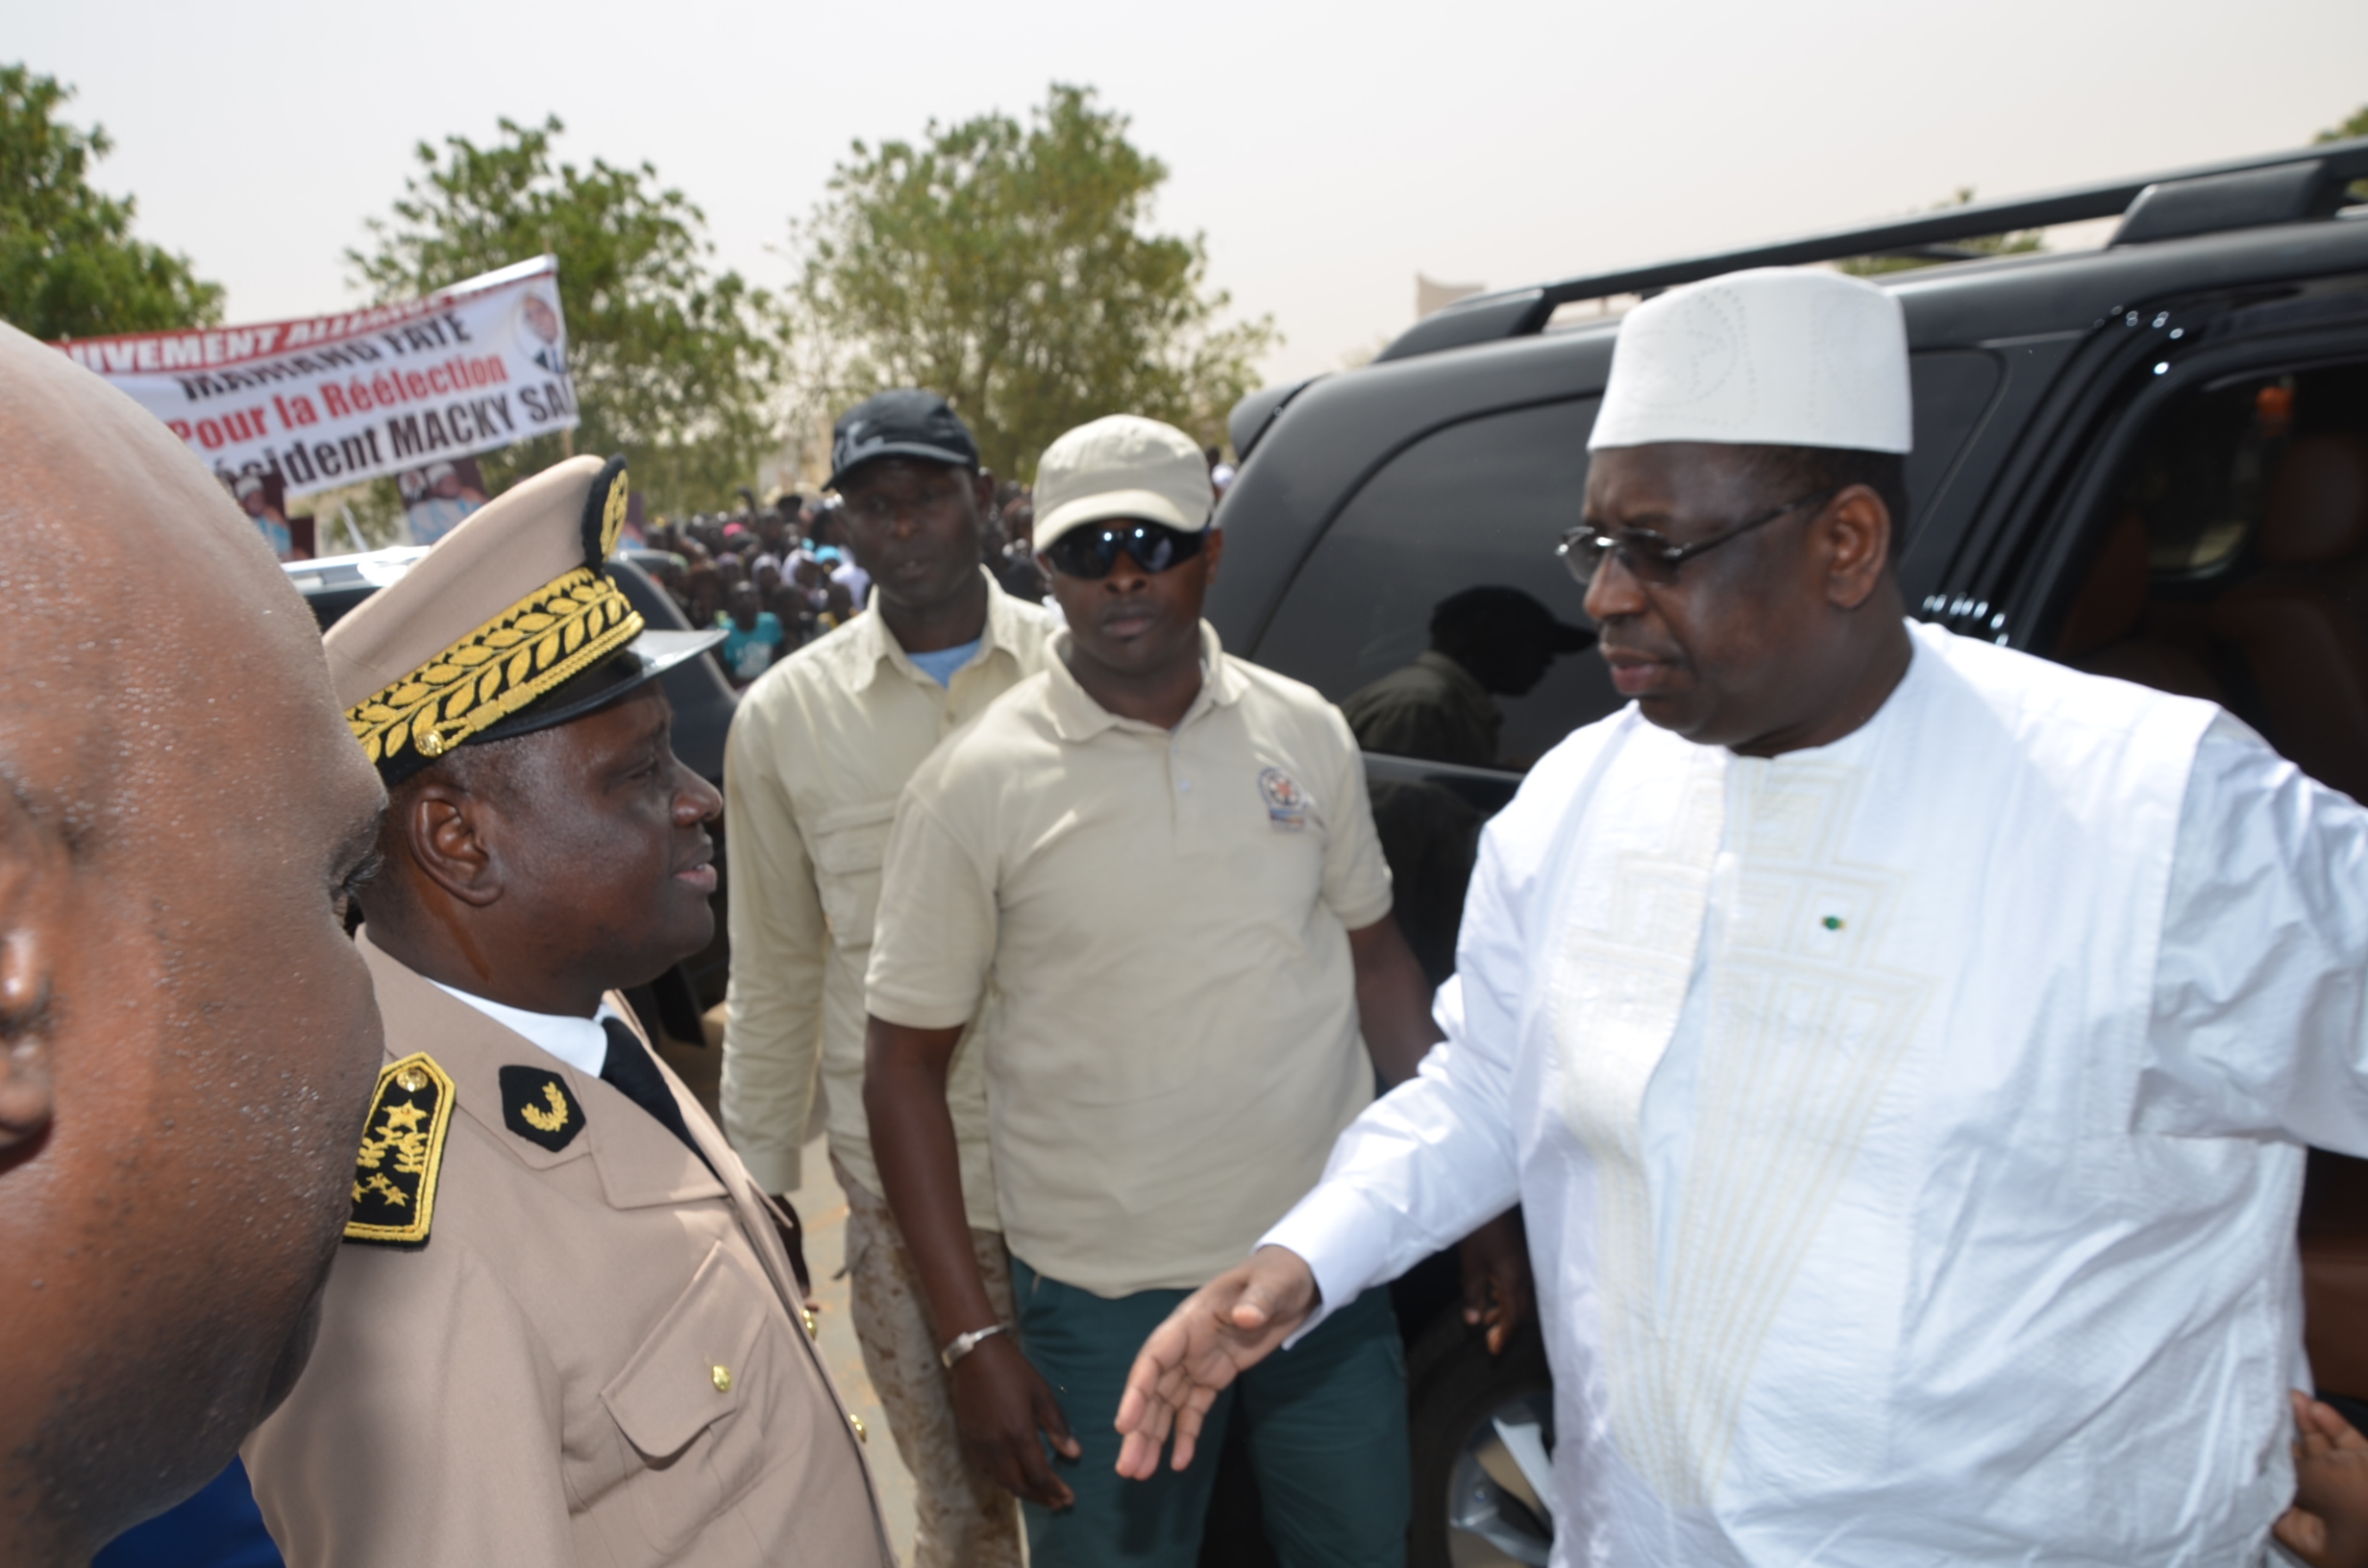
564,1326
821,748
1903,1048
1159,862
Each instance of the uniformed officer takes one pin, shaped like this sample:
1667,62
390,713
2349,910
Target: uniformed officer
564,1328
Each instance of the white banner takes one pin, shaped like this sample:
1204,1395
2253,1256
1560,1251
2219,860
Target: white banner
332,400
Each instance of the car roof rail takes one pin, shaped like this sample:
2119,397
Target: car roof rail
2275,187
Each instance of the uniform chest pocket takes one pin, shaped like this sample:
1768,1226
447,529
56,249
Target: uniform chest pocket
849,846
690,1401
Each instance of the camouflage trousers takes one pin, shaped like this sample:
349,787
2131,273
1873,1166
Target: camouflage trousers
963,1520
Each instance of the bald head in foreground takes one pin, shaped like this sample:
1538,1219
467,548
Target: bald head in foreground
187,1039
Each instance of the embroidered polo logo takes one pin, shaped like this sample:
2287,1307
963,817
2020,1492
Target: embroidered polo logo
401,1151
537,1106
1286,801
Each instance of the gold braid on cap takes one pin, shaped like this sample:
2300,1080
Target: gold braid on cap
554,634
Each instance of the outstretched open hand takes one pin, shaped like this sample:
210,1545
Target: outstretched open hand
2328,1525
1220,1332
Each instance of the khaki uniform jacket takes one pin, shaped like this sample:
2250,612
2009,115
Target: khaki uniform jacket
597,1358
821,748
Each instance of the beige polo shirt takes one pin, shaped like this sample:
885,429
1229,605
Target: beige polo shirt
821,748
1162,917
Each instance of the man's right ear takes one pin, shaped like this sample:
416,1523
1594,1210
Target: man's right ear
445,834
32,873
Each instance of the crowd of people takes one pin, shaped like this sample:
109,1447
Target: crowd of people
1896,1053
776,576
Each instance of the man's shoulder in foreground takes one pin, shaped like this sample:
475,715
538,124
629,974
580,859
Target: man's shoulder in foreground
1429,679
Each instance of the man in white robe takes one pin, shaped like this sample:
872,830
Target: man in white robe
1903,1048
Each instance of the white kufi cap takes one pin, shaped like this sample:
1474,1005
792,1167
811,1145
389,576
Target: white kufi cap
1778,356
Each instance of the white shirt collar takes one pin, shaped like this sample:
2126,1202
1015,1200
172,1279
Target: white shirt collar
580,1043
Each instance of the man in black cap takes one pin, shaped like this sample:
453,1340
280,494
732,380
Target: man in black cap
822,748
1485,642
564,1326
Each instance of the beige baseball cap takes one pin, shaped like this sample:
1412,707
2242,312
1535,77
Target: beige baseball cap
1122,466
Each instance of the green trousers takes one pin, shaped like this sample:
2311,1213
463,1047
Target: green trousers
1325,1423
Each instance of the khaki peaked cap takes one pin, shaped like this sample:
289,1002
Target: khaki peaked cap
475,641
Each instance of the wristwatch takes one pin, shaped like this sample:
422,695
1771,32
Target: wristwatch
962,1344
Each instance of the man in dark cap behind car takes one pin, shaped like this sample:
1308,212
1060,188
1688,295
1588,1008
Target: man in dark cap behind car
822,745
1485,642
565,1328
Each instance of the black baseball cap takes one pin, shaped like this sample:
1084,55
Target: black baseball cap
1508,611
905,423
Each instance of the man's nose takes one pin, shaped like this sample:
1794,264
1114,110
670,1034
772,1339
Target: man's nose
698,800
1613,590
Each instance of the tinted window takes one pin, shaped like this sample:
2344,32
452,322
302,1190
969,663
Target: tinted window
1951,387
1483,503
2232,563
1480,503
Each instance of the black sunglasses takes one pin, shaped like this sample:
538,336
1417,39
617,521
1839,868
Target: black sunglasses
1090,553
1651,557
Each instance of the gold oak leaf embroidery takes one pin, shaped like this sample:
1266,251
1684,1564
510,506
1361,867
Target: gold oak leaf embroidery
551,1120
395,1167
401,1135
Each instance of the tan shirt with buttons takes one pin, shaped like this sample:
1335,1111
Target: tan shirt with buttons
597,1357
1162,917
821,746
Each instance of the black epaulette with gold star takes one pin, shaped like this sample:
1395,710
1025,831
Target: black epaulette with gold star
401,1149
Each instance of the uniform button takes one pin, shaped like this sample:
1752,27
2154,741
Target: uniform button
813,1330
723,1379
856,1421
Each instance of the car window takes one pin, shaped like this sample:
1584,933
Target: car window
1476,505
1951,389
1461,526
1435,612
2230,562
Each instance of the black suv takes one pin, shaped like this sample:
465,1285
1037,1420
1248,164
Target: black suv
2150,461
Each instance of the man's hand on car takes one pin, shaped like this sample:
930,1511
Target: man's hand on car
1220,1332
1498,1292
1000,1402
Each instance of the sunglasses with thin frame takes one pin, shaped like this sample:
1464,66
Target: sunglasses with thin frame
1090,553
1653,557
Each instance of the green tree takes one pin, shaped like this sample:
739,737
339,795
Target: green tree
673,362
2013,244
2355,126
68,265
1009,267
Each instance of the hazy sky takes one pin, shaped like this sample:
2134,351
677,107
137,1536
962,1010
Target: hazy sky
1327,152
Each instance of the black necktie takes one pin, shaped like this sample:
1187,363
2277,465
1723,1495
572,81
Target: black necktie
630,1070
